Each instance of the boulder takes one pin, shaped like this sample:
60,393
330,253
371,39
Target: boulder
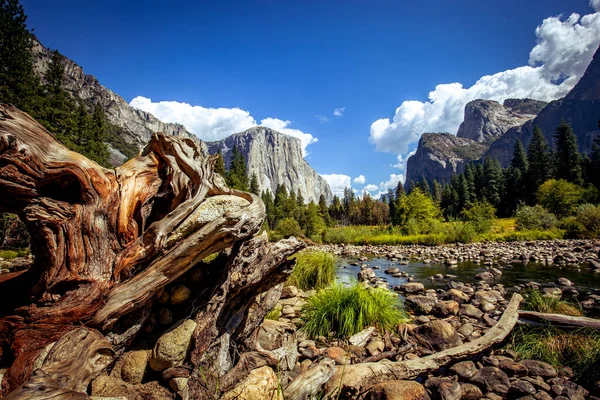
397,390
411,287
539,368
366,275
288,292
443,389
338,355
470,392
491,379
260,384
109,386
420,304
445,308
440,334
464,369
375,346
520,388
271,334
133,366
470,311
180,294
456,295
171,348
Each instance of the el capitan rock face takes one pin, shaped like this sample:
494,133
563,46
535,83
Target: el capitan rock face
276,159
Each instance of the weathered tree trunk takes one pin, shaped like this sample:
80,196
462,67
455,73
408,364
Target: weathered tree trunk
107,241
559,320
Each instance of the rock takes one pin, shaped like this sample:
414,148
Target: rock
470,391
513,368
491,379
564,282
466,330
456,295
165,316
481,296
134,366
271,334
366,275
375,346
180,294
520,388
180,386
361,338
445,308
484,276
539,368
420,304
553,292
338,355
443,389
470,311
464,369
311,352
392,271
411,287
440,334
397,390
109,386
260,384
172,347
289,291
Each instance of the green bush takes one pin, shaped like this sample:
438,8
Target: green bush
559,196
588,215
342,311
313,270
8,254
535,217
288,227
461,232
573,228
481,215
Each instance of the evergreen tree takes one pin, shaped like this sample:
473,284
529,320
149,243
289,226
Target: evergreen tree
399,193
336,209
470,173
540,164
220,164
493,189
267,199
237,177
594,174
516,182
299,199
323,210
411,186
436,192
566,157
392,205
254,187
424,186
18,82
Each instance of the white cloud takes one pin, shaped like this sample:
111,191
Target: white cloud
337,183
403,160
339,112
212,124
371,188
392,182
321,118
595,4
564,49
360,179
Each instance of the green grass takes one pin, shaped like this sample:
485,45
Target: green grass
8,254
536,301
579,349
313,270
503,230
274,314
342,311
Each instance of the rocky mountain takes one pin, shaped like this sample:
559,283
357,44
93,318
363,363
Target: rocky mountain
276,159
580,108
440,155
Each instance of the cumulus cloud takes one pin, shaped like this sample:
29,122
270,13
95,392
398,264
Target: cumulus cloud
564,49
337,183
212,124
403,160
360,179
339,112
392,182
595,4
371,188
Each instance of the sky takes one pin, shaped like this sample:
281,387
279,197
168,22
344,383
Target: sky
357,82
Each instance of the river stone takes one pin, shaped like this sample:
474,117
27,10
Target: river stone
520,388
109,386
420,304
466,330
481,296
180,294
392,271
210,209
260,384
564,282
397,390
456,295
271,333
361,338
470,311
172,347
366,274
539,368
411,287
445,308
553,292
375,346
491,379
338,355
440,334
464,369
443,388
513,368
484,276
288,292
470,392
134,366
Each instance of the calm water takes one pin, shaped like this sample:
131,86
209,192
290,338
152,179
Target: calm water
585,280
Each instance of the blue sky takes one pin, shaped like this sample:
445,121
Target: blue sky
299,61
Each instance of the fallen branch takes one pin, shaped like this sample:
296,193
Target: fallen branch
563,321
358,378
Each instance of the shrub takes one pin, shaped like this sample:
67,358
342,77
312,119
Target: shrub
288,227
462,232
8,254
481,215
588,215
559,196
535,217
313,270
573,228
536,301
579,349
342,311
274,314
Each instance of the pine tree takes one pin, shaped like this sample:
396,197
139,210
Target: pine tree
254,187
18,82
494,187
237,177
299,199
540,164
220,164
267,199
436,192
594,176
516,182
566,157
424,186
392,206
411,186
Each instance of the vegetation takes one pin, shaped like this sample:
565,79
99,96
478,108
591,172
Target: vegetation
537,301
536,217
8,254
342,311
313,270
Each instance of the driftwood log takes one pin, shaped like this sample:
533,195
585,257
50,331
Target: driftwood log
559,320
353,381
107,241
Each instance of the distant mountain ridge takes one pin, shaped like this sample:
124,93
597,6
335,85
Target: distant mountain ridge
276,158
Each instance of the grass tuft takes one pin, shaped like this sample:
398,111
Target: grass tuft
536,301
274,314
8,254
313,270
342,311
